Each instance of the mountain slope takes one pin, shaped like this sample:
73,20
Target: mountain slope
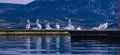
5,8
86,13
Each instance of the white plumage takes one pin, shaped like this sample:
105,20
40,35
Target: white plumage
57,26
28,25
38,24
48,27
101,26
70,26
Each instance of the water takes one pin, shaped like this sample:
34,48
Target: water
55,45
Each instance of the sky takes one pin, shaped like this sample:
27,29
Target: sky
16,1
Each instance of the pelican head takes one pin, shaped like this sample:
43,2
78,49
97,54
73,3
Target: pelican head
37,21
69,21
28,21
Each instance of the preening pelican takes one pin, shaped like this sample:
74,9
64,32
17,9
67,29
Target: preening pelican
101,26
78,28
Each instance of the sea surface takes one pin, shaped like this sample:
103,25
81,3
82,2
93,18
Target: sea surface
55,45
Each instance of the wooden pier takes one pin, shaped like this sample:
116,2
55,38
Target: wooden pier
113,35
61,32
34,32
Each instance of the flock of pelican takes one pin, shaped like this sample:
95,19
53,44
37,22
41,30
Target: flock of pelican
58,27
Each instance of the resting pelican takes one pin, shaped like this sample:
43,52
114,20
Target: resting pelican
57,26
28,25
38,25
78,28
70,26
101,26
48,27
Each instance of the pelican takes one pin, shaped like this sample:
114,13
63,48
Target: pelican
104,26
78,28
28,25
57,26
48,26
70,26
101,26
97,28
38,24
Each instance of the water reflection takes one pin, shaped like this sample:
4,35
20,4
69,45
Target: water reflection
55,45
26,45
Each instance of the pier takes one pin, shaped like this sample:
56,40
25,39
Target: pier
62,32
34,32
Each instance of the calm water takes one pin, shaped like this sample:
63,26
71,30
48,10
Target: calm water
55,45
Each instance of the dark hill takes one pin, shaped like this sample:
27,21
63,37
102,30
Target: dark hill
82,12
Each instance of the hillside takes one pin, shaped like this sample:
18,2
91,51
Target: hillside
84,13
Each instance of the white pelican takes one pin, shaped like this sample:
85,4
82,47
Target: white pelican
57,26
38,24
78,28
70,26
48,27
28,25
104,26
101,26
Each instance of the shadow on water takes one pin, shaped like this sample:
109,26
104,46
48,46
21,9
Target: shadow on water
58,45
103,37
